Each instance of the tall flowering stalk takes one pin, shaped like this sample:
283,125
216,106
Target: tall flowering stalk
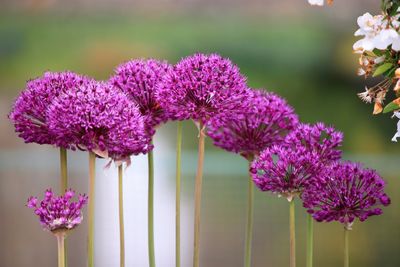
178,195
29,113
139,80
59,215
264,120
198,88
345,192
325,142
286,172
102,121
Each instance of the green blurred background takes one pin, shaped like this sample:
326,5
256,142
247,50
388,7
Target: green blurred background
301,52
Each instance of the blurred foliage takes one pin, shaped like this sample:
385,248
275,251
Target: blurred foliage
306,62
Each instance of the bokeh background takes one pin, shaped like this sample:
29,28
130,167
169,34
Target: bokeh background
286,46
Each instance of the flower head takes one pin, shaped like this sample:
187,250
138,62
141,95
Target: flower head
319,2
58,213
345,192
201,86
319,139
139,80
264,120
98,118
29,113
285,171
378,33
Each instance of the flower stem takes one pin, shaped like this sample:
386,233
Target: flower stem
152,261
292,234
121,216
178,196
310,240
198,187
346,248
64,184
92,175
249,223
63,170
60,244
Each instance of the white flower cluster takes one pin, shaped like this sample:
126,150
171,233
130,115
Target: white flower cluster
378,32
319,2
316,2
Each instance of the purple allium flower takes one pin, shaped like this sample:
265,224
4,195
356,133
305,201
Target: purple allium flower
99,118
29,113
201,86
58,213
344,192
321,139
284,171
139,79
264,120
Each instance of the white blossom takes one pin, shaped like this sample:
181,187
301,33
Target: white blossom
397,134
316,2
377,34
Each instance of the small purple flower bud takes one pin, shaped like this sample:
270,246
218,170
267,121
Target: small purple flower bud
58,213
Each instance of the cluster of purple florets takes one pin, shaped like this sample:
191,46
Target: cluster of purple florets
58,213
201,86
117,118
346,191
307,164
264,121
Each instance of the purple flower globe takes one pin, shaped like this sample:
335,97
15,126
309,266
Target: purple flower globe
264,120
284,171
318,138
58,213
138,79
98,118
202,86
29,113
346,191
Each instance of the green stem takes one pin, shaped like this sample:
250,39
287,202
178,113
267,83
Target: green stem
121,216
346,248
197,197
249,223
310,240
178,195
64,184
92,175
63,170
60,244
292,234
152,261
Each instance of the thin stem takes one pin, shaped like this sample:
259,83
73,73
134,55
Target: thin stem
92,175
121,216
60,245
198,188
178,196
292,235
249,223
152,261
310,240
64,184
346,248
63,170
